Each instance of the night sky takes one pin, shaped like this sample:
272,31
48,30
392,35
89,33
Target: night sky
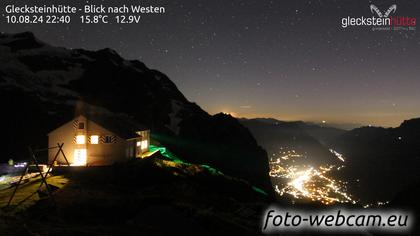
289,60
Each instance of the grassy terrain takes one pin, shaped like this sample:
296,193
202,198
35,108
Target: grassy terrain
27,195
152,196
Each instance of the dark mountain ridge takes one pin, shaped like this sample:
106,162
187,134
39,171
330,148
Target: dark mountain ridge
305,138
384,160
402,140
379,162
43,86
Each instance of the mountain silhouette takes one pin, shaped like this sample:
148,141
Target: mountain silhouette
379,162
305,138
383,160
43,86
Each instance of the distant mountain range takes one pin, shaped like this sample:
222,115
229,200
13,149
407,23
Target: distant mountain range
309,139
385,160
42,86
337,125
380,162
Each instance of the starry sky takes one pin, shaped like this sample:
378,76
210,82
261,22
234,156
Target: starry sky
287,59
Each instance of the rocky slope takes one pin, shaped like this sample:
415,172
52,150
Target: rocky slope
42,86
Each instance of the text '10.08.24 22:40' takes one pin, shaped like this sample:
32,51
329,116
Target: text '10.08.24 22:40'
67,19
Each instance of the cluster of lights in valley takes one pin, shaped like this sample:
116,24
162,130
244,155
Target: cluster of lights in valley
307,182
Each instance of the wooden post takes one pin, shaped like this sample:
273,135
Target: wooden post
50,165
40,172
62,152
43,178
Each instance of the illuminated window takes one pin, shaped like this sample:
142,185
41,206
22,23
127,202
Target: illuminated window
142,144
94,139
80,139
80,157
